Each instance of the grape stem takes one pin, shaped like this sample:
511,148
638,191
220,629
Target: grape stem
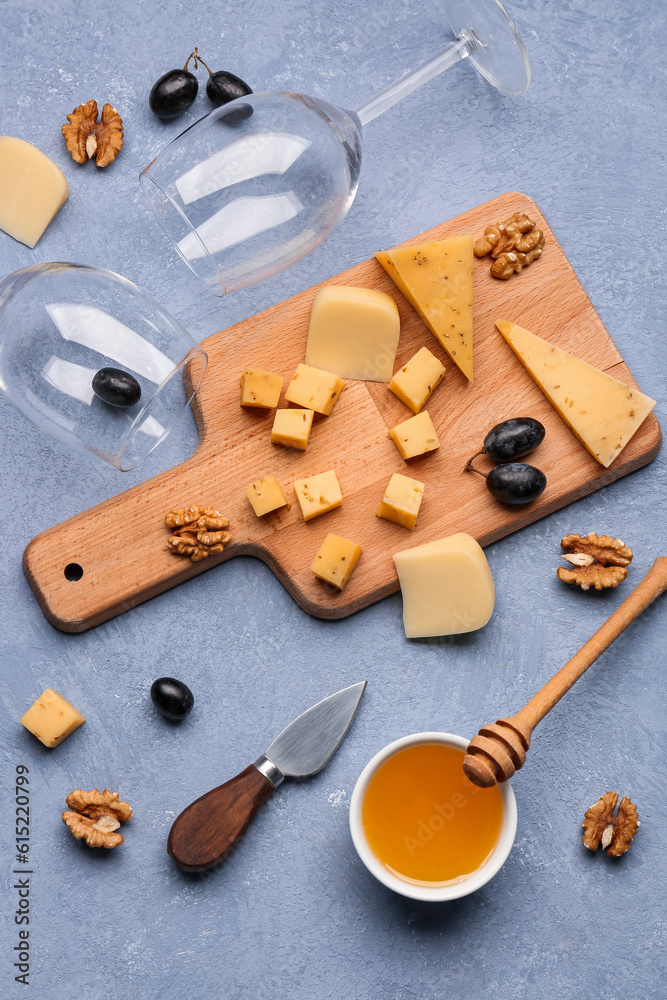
469,467
198,59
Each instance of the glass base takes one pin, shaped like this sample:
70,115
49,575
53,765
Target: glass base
498,52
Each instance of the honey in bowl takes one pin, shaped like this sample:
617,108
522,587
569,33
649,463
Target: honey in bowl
425,821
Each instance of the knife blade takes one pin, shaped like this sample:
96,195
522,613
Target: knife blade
211,826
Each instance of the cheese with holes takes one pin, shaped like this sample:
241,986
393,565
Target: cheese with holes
354,332
402,500
291,428
335,561
436,279
51,718
265,496
318,494
415,436
447,587
416,380
314,388
32,190
260,389
601,412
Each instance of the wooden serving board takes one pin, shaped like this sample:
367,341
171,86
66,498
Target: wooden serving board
235,449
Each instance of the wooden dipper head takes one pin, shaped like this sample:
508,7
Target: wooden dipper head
498,750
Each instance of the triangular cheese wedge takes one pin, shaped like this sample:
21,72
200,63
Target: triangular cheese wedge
436,279
601,412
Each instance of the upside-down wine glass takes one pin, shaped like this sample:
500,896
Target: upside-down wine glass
63,329
260,182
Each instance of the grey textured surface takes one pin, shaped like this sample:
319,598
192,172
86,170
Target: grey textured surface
293,913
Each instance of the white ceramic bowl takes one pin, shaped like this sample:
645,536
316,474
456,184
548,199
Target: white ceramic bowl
434,894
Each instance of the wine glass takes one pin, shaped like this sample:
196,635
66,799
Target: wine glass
260,182
63,329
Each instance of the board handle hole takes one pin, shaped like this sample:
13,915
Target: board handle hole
73,572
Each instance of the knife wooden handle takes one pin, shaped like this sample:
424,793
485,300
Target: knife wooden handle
209,828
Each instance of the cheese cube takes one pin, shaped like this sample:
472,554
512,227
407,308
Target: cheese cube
447,587
354,332
265,495
314,388
336,560
416,380
318,494
415,436
51,719
402,501
292,428
260,389
32,190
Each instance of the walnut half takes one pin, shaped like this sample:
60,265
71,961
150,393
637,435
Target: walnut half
95,816
513,244
197,531
598,561
86,137
514,261
614,833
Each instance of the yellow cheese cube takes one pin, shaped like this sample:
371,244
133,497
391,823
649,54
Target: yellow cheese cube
260,389
265,495
354,332
447,587
601,412
415,436
314,388
51,719
336,560
402,501
292,428
416,380
318,494
436,279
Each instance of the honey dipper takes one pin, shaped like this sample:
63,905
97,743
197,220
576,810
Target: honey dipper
499,749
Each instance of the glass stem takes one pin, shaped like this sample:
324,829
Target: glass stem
396,91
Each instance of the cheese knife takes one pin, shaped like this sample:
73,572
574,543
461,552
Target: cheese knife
211,826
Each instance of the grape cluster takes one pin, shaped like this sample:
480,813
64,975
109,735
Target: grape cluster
512,482
176,90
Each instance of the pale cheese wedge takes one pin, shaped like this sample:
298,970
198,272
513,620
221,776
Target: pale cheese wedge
601,412
353,332
436,279
447,587
32,190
